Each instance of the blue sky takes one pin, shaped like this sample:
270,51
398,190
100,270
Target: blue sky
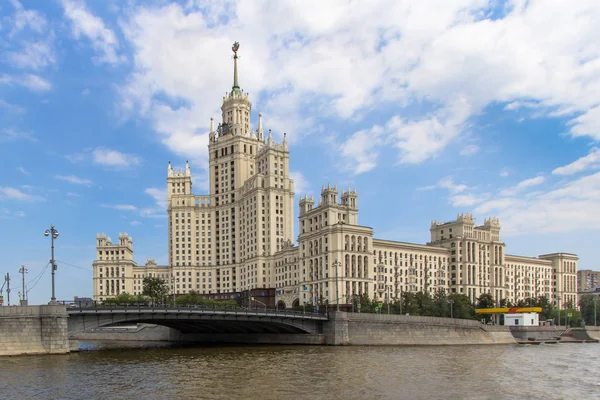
429,109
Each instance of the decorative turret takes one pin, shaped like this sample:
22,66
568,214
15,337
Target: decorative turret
285,142
465,218
306,204
350,198
492,223
270,139
187,169
329,195
169,169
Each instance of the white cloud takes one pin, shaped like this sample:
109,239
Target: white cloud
360,149
105,157
71,194
458,193
73,179
84,23
121,207
113,158
23,19
11,108
9,193
76,157
10,134
135,223
446,58
590,161
33,82
566,208
504,172
23,170
448,184
469,150
33,55
158,211
300,182
527,183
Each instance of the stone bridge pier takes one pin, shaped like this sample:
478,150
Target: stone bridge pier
34,330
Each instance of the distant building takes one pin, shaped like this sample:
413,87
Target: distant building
240,237
587,280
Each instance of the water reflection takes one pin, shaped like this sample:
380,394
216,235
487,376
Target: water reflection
158,371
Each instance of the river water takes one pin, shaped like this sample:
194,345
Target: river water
110,370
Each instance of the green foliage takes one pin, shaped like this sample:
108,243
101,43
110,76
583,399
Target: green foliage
586,305
195,299
462,307
422,303
126,299
486,300
156,289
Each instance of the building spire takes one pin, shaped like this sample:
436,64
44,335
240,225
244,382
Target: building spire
236,86
259,130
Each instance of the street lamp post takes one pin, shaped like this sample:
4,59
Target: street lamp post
388,298
258,301
336,264
451,308
595,299
23,271
558,305
53,233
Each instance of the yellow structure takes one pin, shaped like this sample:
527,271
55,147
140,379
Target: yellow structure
507,310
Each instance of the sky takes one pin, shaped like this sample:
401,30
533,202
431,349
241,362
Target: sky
428,109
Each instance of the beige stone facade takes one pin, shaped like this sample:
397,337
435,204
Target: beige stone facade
240,237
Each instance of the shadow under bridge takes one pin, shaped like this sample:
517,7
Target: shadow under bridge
200,321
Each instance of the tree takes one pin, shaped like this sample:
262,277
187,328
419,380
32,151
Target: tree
409,303
440,306
547,307
424,302
486,300
462,307
155,288
586,305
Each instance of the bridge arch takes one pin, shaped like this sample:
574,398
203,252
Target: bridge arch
198,321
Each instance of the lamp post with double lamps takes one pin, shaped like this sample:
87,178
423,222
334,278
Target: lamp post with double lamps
53,233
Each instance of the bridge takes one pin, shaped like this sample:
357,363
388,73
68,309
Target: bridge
207,324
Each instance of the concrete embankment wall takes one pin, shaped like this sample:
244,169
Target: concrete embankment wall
593,332
33,330
537,333
387,329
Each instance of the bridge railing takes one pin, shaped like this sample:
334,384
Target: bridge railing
215,308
